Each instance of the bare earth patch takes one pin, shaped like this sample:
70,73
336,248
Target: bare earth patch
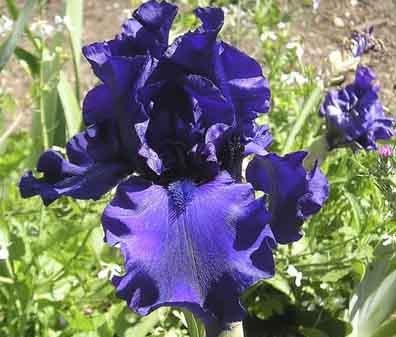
325,30
321,32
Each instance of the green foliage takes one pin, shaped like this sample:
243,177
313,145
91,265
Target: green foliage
54,279
70,105
8,47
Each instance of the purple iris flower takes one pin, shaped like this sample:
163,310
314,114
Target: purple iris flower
169,126
354,114
361,42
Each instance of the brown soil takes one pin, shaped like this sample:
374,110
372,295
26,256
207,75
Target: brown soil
318,31
325,30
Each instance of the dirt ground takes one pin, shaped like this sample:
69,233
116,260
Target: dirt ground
321,32
325,30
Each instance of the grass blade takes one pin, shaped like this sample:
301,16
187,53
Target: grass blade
195,327
31,60
146,324
74,13
7,49
310,104
70,105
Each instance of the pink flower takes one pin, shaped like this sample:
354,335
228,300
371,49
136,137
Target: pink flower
386,151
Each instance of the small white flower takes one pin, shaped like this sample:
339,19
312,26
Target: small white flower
388,240
311,307
324,285
282,25
354,2
4,252
294,77
293,272
6,25
109,270
315,5
59,20
270,35
42,28
299,49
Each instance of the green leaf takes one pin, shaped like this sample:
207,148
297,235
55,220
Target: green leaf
12,8
145,325
7,49
70,105
74,13
31,60
309,105
388,329
356,209
195,327
312,332
375,297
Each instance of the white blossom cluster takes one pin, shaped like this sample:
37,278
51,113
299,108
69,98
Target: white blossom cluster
6,25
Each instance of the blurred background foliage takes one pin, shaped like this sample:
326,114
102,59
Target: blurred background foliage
339,280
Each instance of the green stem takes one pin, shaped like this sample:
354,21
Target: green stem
75,67
310,104
317,151
233,330
230,330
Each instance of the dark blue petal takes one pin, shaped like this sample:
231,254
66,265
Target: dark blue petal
242,81
293,193
77,182
146,33
209,104
94,167
156,18
355,113
194,50
259,142
98,105
179,246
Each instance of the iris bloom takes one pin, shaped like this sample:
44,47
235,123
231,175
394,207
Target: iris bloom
355,113
169,125
361,42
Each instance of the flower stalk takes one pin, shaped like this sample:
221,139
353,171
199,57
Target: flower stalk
234,329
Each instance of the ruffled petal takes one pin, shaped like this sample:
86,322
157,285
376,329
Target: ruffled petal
293,193
120,73
194,49
355,113
209,104
156,18
258,144
183,246
146,32
73,181
238,76
94,167
241,79
98,105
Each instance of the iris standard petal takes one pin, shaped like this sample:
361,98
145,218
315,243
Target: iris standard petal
293,193
179,245
98,105
194,49
238,76
242,81
146,32
209,104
